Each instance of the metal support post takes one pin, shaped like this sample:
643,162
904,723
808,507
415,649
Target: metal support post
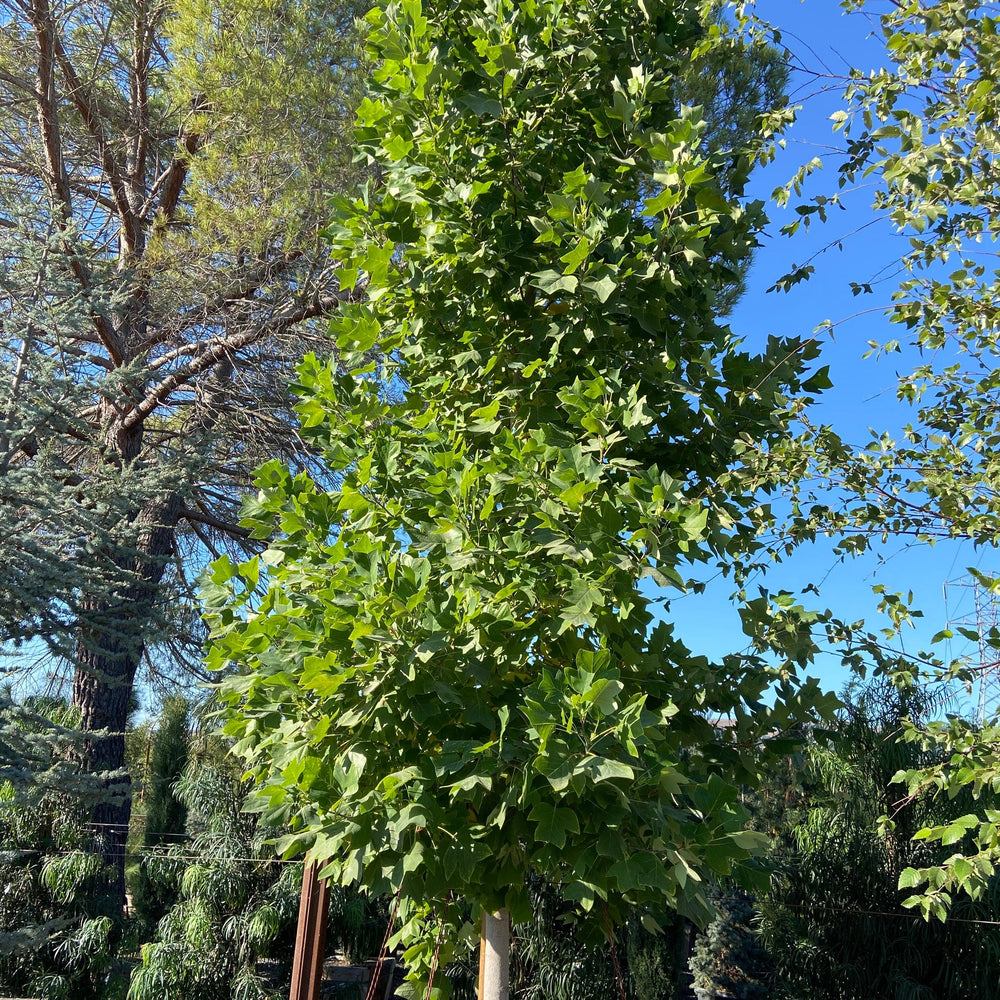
310,938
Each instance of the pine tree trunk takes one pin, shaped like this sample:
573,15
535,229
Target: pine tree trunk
109,647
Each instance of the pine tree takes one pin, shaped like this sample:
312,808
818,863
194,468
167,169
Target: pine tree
165,168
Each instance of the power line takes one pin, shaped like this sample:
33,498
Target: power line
881,913
186,856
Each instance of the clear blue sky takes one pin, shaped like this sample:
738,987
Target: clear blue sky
829,42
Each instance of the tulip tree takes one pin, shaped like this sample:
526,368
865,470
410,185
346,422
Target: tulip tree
456,663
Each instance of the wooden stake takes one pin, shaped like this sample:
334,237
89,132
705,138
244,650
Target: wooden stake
310,938
494,956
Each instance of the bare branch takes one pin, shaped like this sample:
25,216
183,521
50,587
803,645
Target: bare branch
222,347
203,537
211,521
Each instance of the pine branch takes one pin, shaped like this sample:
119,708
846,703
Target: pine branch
228,345
131,224
242,289
207,518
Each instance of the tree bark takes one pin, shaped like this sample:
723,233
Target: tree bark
109,650
494,956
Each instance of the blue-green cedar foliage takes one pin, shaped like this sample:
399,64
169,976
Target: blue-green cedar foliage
59,930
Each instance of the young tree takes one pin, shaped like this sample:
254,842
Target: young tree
162,171
457,676
164,822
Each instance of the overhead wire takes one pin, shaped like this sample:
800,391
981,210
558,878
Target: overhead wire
817,907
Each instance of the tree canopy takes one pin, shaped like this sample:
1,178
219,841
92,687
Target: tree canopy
458,675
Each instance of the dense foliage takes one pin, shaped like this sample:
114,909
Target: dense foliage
461,673
61,935
164,814
834,920
458,675
228,931
234,903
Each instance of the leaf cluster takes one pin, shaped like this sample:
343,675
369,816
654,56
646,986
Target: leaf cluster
451,673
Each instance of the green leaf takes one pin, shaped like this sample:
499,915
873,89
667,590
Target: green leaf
481,105
575,257
600,769
819,381
553,282
603,287
553,823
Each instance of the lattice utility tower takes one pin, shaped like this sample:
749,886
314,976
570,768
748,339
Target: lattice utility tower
983,616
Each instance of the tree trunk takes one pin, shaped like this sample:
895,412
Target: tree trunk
110,643
494,956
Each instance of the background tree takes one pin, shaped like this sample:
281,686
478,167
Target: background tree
834,919
924,129
454,679
60,929
728,959
164,822
230,929
161,170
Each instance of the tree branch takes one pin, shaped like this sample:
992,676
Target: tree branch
48,122
171,181
45,96
242,289
224,346
130,222
211,521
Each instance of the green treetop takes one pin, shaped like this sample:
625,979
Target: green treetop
457,676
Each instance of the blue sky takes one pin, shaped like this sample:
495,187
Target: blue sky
828,43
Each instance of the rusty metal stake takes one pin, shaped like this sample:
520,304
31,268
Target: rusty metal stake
310,938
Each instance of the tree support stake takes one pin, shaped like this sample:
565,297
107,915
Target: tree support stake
310,938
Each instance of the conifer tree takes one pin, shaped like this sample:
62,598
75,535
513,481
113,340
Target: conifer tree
163,171
164,822
59,925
